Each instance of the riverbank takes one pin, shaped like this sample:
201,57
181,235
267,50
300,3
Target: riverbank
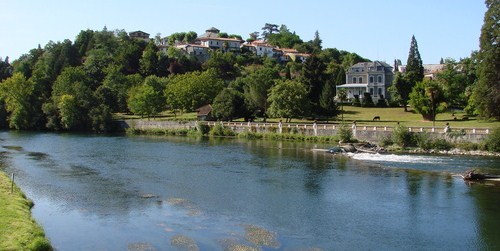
432,145
18,230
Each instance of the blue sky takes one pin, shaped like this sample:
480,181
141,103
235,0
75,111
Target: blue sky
377,30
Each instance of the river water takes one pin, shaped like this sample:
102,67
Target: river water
178,193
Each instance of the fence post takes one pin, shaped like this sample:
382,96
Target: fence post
12,184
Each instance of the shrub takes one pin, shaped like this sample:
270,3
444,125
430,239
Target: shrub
492,142
221,130
344,134
386,141
204,129
40,244
402,136
356,101
381,102
367,100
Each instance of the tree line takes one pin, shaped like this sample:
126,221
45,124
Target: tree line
471,84
78,86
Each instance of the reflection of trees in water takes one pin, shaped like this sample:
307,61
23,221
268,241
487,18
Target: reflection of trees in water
80,187
488,216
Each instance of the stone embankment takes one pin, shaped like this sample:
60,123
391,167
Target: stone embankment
370,133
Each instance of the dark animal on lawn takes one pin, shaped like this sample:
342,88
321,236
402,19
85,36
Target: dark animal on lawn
376,118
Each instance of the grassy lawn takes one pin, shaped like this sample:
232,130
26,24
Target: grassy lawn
165,115
390,117
18,231
363,116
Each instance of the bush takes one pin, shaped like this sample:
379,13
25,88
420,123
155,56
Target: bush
492,142
204,129
356,101
344,134
386,141
381,102
403,137
40,244
367,100
221,130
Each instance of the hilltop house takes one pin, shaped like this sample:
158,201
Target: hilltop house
141,35
260,48
372,77
212,40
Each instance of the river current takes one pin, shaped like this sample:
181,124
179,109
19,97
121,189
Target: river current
96,192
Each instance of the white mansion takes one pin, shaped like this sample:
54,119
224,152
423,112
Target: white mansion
372,77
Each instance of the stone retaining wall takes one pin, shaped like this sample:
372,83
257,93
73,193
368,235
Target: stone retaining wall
372,133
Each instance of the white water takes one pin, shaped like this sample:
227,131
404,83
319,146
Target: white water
399,158
447,163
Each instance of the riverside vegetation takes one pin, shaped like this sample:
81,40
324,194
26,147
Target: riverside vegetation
401,138
18,230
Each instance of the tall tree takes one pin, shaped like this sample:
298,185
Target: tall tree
149,60
16,92
427,99
147,99
487,91
316,42
414,66
400,90
269,29
327,99
314,78
257,85
5,69
284,97
229,104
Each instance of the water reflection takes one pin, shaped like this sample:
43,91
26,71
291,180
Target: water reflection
166,192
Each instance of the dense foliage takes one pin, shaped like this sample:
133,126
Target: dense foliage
486,96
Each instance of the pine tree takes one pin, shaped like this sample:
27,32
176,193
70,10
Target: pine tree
414,67
487,91
314,78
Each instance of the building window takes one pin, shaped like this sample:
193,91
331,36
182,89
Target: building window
379,91
360,80
379,79
371,91
354,80
371,79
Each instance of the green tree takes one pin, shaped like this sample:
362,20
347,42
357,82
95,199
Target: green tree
327,99
5,69
454,83
287,99
229,104
69,112
149,60
269,29
487,92
342,97
427,99
17,92
314,78
256,87
284,38
224,64
147,99
414,68
72,98
189,91
400,90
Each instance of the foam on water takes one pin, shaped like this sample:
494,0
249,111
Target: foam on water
397,158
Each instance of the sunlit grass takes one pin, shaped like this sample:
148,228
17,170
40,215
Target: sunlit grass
18,231
362,115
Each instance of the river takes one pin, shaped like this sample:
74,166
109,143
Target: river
94,192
